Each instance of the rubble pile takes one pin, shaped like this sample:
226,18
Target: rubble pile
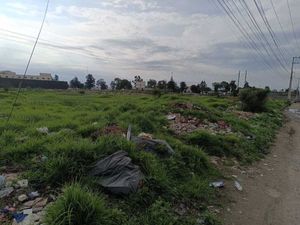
183,125
20,205
244,115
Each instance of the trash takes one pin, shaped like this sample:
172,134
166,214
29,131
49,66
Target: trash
145,135
19,217
33,195
6,192
160,147
171,117
23,183
22,198
238,186
128,136
118,174
217,184
2,182
43,130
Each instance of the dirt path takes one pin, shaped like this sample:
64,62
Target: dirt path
271,194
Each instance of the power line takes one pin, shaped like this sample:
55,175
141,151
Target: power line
280,24
28,63
292,22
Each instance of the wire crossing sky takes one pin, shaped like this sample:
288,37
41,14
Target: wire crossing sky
195,39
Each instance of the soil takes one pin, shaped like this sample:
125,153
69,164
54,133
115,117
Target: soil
271,188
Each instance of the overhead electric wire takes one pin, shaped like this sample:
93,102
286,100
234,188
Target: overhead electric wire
29,61
270,30
280,24
242,29
292,22
256,35
261,32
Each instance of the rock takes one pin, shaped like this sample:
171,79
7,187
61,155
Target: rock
23,183
41,203
22,198
36,210
6,192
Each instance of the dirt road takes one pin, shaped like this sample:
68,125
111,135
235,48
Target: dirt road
271,194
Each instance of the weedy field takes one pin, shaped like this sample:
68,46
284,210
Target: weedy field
85,127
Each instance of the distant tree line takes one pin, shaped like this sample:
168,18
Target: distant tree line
163,85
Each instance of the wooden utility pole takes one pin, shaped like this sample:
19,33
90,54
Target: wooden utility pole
291,77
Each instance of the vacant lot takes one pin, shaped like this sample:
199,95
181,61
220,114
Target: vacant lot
83,128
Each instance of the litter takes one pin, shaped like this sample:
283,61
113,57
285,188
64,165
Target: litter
171,117
19,217
43,130
33,195
118,174
217,184
159,147
128,136
145,135
6,192
238,186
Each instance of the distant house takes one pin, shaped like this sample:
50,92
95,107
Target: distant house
10,79
13,75
140,85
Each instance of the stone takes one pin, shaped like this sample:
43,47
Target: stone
22,198
6,192
2,182
43,130
23,183
41,203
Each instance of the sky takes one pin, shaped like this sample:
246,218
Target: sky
193,40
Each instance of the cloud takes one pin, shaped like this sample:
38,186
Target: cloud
193,39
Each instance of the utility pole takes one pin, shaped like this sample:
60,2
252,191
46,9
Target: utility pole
246,74
239,77
291,77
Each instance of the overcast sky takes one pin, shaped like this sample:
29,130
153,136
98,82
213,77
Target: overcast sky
192,39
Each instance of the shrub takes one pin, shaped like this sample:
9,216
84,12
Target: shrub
78,206
254,99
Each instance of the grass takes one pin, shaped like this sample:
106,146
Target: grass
65,155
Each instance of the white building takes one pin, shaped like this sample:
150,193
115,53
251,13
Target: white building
140,85
13,75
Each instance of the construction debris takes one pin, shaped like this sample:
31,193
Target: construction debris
183,125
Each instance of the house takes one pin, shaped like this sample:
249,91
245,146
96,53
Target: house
13,75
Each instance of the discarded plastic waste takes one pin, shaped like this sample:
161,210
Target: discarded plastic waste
171,117
217,184
23,183
238,186
118,174
22,198
6,192
43,130
160,147
33,194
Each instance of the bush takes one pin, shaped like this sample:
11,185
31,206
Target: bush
254,99
78,206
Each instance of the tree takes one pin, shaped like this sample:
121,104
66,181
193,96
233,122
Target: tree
56,77
203,87
171,85
233,88
75,83
195,88
151,83
183,86
90,81
216,86
246,85
123,84
225,85
113,85
101,84
162,84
